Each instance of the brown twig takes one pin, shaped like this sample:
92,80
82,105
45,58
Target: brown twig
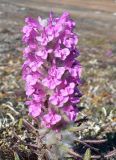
111,154
96,141
18,138
87,145
71,152
11,108
24,143
30,127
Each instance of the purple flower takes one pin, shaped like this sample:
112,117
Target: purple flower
51,70
70,112
68,90
29,90
51,119
54,77
34,108
63,53
58,99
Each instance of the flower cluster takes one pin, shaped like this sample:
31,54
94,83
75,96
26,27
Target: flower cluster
50,69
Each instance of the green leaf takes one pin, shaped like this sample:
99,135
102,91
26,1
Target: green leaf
20,123
16,156
87,155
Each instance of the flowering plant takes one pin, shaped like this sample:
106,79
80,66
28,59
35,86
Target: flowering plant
51,70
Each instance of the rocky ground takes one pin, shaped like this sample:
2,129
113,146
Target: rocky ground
96,26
